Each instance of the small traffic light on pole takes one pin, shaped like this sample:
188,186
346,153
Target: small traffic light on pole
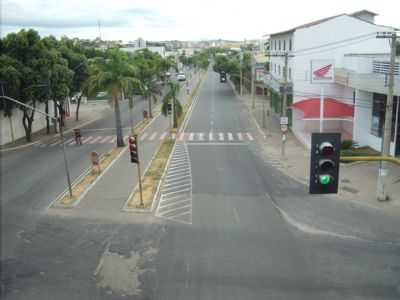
324,163
133,149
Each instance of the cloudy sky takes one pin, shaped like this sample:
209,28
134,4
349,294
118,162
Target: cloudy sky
174,19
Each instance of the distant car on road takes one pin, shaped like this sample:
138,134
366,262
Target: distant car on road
181,76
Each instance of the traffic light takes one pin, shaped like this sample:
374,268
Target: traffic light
133,149
325,159
169,108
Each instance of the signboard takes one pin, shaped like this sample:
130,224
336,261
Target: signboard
259,74
322,71
284,121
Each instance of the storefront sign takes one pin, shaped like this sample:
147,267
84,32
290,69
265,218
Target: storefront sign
322,71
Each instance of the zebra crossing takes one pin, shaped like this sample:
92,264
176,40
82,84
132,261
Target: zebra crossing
176,192
194,137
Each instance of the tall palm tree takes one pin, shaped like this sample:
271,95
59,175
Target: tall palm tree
114,75
172,97
151,89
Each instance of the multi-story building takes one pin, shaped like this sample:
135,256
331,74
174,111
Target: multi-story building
340,62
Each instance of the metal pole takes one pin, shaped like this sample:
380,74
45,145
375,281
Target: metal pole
252,81
284,103
241,75
66,161
140,185
387,134
396,124
131,104
321,110
263,109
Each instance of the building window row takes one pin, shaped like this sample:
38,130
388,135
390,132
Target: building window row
281,45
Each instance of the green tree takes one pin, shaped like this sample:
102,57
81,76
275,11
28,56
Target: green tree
172,97
114,75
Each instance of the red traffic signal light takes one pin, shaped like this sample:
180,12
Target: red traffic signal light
133,149
326,148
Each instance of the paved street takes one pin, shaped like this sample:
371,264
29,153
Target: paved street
228,225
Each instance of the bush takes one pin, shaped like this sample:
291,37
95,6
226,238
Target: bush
348,144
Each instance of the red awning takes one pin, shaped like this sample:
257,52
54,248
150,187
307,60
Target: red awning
332,108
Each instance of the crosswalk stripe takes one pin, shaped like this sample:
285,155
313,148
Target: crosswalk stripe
211,136
221,136
55,143
104,140
181,136
191,136
70,142
113,140
96,139
201,136
163,135
85,140
249,136
143,136
240,136
152,137
230,136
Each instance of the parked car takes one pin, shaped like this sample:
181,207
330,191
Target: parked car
181,76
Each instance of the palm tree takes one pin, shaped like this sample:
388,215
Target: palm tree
172,96
114,75
150,90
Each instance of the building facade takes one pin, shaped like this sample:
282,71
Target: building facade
331,61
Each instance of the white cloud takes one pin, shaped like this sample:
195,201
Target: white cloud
174,19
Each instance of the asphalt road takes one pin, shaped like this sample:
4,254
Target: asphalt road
249,236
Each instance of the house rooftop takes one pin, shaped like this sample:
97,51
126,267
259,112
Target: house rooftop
354,15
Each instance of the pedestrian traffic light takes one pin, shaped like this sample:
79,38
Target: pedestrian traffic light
169,109
133,149
324,166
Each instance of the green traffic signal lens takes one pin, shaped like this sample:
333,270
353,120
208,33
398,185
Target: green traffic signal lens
325,179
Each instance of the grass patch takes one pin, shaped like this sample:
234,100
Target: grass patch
360,151
79,187
152,177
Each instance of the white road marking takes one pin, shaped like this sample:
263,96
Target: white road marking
240,136
55,143
143,136
230,136
163,135
181,136
191,136
152,137
173,136
174,184
166,190
103,141
217,144
85,140
113,140
236,215
164,198
178,171
211,136
174,209
249,136
172,203
70,142
201,136
221,136
95,140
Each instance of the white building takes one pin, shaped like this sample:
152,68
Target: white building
343,51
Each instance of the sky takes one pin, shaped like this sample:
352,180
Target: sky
157,20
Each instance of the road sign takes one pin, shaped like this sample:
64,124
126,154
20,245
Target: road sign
284,121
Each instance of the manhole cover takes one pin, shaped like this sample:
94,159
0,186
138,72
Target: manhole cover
350,189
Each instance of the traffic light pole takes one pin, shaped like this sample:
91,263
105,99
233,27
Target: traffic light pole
61,136
140,185
284,103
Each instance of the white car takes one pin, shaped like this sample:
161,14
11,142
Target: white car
181,76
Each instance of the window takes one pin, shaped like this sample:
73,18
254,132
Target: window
290,74
274,68
279,47
279,69
290,45
284,45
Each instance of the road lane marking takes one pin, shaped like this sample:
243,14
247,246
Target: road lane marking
152,137
172,203
175,184
173,188
236,215
174,209
240,136
230,136
143,136
104,140
249,136
211,136
163,135
55,143
95,140
191,136
217,144
85,140
201,136
181,136
221,136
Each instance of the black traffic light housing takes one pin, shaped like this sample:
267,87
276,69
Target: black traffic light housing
324,163
133,149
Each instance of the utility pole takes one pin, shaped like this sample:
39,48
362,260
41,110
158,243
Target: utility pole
253,105
241,75
381,190
284,102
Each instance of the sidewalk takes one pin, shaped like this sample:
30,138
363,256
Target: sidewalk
108,196
87,113
357,180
